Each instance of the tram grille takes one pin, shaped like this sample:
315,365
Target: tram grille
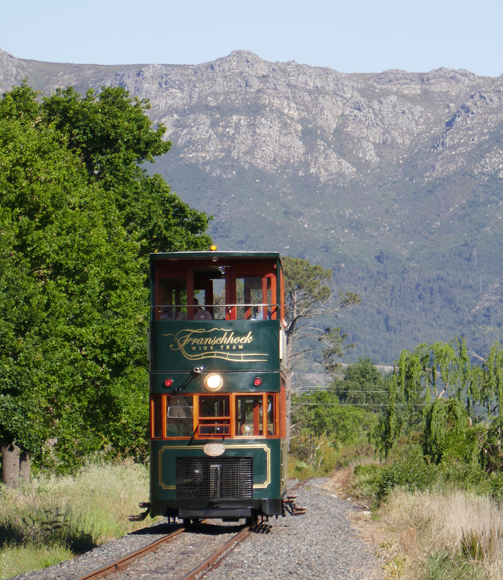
207,478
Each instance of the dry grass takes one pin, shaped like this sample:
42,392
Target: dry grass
55,517
451,535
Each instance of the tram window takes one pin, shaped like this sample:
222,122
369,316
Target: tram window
219,308
171,299
271,415
250,294
179,416
156,416
214,415
249,415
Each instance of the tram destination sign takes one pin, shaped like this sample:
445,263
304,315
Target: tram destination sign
236,344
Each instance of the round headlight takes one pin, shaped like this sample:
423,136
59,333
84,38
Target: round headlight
213,382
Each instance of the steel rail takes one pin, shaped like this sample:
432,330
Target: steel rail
130,558
214,560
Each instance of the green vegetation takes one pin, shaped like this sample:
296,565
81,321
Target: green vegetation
435,478
78,215
323,428
55,518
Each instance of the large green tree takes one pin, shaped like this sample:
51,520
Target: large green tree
113,137
73,298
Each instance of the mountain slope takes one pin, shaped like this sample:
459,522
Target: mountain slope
394,180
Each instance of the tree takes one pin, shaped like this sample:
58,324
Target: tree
73,294
362,384
113,137
320,421
308,303
443,376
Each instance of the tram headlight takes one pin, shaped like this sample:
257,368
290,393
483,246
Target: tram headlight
213,382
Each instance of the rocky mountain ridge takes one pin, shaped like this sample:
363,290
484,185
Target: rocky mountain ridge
394,174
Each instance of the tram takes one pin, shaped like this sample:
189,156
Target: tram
217,352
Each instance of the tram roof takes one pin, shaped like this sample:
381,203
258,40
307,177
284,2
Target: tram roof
212,255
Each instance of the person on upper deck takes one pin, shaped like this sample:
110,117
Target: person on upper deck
200,313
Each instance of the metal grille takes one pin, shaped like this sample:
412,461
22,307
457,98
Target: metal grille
207,478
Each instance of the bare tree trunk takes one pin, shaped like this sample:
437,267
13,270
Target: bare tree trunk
288,409
288,396
10,465
24,468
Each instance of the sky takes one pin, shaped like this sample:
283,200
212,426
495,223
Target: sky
350,36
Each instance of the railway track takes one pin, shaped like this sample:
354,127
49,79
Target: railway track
205,545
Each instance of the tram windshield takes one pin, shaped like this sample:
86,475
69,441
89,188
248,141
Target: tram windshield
214,416
250,415
179,416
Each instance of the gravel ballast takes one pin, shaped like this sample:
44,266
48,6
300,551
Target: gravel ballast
320,544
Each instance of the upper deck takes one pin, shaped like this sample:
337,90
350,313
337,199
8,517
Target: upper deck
220,310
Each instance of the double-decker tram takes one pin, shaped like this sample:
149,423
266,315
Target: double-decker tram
217,398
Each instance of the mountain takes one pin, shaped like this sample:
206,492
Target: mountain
394,180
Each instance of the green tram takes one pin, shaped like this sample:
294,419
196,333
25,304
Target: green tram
217,350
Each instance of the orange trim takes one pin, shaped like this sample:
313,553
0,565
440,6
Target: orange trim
203,418
152,418
164,415
264,296
256,418
195,415
232,406
282,294
274,298
264,414
282,426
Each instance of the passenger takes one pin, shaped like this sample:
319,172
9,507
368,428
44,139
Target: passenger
200,313
180,315
259,315
166,313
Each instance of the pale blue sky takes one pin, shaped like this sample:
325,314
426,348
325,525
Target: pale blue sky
356,36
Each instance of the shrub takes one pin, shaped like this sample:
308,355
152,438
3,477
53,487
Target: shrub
411,473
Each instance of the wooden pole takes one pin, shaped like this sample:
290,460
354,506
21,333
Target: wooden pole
10,465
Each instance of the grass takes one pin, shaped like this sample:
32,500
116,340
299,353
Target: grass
452,535
18,560
429,522
56,518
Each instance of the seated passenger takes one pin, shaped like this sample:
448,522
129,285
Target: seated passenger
258,312
180,315
166,313
200,313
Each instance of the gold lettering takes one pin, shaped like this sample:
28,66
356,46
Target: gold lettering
203,339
